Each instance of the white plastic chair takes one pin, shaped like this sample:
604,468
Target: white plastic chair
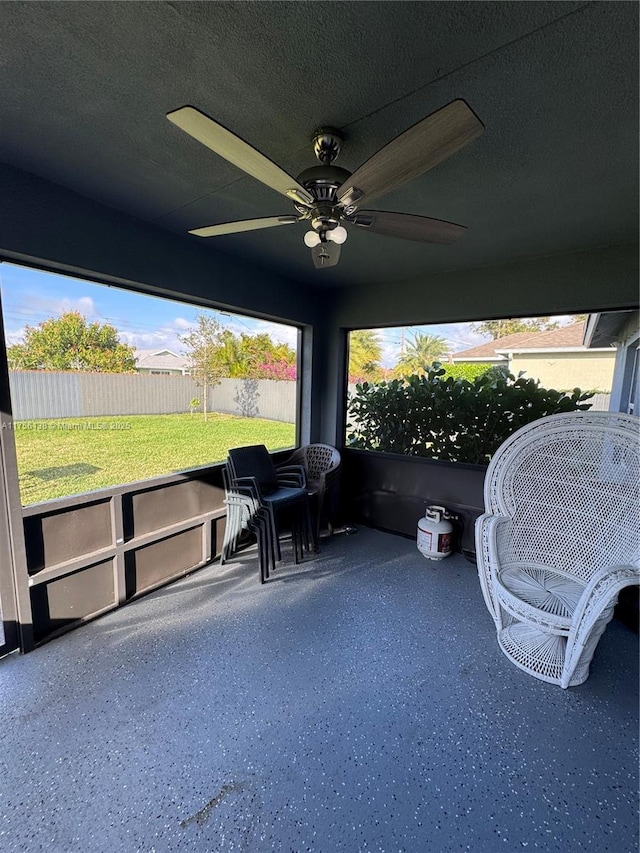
322,464
560,538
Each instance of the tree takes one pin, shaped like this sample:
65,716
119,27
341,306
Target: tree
365,353
230,355
205,347
255,357
68,342
421,352
264,359
502,328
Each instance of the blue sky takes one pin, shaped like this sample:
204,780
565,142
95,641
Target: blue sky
146,322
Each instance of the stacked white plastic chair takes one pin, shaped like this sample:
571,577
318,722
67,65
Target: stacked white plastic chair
560,538
245,513
322,465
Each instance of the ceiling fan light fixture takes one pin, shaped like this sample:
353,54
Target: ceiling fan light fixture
338,235
311,239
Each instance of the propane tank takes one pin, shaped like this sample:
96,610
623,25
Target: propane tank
435,532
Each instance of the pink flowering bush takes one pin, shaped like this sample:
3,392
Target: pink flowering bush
277,370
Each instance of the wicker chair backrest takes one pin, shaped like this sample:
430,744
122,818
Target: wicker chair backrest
571,485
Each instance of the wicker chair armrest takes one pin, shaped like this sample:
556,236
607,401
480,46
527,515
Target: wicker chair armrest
596,604
602,590
486,532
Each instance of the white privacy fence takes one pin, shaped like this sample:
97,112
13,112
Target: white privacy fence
39,394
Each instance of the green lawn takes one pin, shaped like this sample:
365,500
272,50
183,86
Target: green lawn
57,458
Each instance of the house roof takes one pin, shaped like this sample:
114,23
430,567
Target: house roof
605,328
566,337
161,359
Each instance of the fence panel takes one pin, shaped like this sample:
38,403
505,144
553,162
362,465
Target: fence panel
600,402
135,394
256,398
39,394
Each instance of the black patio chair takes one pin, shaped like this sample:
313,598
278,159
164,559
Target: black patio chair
281,492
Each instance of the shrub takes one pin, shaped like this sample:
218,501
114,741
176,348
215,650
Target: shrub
457,420
469,370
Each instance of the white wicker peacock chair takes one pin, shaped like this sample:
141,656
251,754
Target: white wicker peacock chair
560,538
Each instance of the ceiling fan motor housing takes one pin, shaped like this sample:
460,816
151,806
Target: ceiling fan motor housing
322,182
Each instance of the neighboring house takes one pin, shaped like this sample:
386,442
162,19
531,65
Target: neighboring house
558,359
162,361
622,330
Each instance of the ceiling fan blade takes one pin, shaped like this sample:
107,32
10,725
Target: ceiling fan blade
325,255
413,152
237,151
243,225
407,226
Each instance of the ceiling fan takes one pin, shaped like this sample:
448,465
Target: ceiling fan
328,196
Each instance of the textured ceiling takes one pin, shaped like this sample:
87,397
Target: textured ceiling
85,88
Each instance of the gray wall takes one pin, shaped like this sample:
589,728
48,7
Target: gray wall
38,395
44,223
597,279
256,398
47,225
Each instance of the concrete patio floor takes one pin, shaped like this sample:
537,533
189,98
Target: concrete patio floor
357,702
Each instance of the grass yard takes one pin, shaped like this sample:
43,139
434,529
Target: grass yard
64,457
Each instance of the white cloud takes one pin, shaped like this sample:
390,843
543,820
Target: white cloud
167,336
461,336
33,310
85,305
390,355
164,338
184,325
278,332
15,336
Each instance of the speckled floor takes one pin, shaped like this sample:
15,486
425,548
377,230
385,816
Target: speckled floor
358,702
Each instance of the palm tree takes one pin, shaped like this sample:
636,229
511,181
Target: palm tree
421,352
365,353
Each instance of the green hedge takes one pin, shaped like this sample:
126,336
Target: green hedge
457,420
469,370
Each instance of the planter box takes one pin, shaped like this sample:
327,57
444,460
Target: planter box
391,491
